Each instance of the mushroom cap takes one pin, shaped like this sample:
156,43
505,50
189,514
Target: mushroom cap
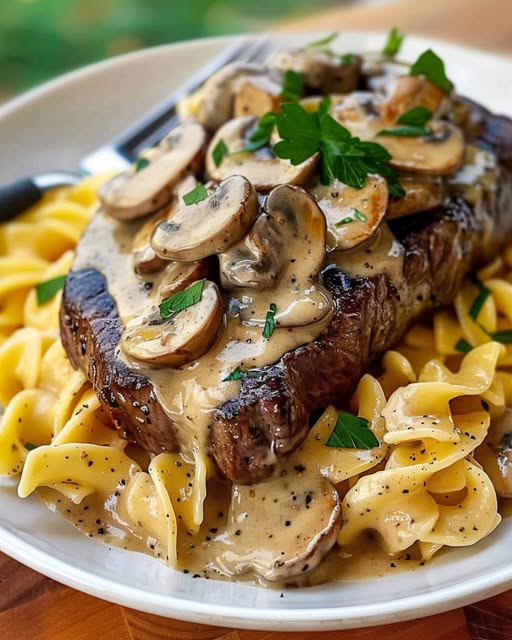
352,215
262,168
297,219
210,226
180,275
422,192
405,92
257,95
182,338
303,518
132,194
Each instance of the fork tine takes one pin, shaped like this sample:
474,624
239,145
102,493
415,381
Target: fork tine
154,126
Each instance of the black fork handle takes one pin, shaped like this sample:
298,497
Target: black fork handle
18,196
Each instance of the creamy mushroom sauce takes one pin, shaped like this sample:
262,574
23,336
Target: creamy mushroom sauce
191,393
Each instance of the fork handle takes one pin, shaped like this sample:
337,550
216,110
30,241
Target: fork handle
18,196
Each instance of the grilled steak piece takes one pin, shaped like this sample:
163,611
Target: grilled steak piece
90,332
272,412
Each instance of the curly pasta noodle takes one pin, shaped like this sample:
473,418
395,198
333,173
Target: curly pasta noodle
431,409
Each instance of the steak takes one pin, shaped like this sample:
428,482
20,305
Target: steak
272,413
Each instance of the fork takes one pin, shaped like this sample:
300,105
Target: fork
146,132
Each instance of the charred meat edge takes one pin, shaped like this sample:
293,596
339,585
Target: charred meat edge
272,413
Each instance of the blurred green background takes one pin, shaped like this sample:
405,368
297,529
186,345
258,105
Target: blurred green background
40,39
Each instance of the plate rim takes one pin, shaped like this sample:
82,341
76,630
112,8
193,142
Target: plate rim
327,618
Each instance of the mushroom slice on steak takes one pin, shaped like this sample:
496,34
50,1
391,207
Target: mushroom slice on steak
295,218
322,70
182,337
133,194
210,226
406,92
352,215
303,517
180,275
262,167
422,193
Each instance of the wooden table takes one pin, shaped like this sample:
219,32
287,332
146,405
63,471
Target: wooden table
33,607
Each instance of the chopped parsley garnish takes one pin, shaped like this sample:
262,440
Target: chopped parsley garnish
344,221
261,135
47,289
343,157
351,432
293,85
479,301
323,42
181,300
463,346
141,163
359,215
198,194
430,65
393,43
414,122
220,151
270,324
237,374
347,58
29,446
505,337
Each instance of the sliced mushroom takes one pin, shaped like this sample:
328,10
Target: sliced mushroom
439,153
282,538
212,105
262,168
145,260
182,338
180,275
422,192
133,193
210,226
405,92
495,454
322,70
256,96
352,215
257,260
296,220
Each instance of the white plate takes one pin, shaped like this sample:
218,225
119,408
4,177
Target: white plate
52,127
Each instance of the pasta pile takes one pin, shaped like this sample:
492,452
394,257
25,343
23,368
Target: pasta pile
432,409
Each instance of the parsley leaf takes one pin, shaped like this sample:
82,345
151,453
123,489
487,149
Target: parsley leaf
181,300
344,221
141,163
198,194
416,117
430,65
463,346
393,43
323,42
236,374
408,131
504,337
359,215
47,289
351,432
342,156
479,301
220,151
261,135
293,85
270,325
29,446
347,58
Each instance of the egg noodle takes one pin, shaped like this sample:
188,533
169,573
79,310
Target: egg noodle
430,408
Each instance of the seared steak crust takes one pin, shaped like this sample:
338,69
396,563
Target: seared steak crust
90,332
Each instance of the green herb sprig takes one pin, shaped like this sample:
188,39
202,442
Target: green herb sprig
198,194
46,290
181,300
293,85
141,163
220,151
343,157
463,346
270,324
238,374
351,432
414,122
431,66
322,43
393,43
